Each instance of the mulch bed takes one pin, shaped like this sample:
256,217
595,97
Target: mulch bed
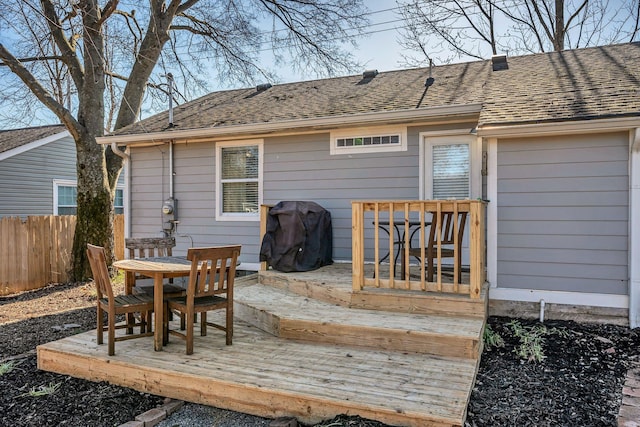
577,381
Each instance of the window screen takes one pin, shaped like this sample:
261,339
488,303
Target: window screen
239,179
451,171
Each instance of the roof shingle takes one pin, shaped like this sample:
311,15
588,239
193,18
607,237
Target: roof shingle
571,85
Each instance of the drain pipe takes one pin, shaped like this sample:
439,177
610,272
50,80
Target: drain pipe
542,304
127,186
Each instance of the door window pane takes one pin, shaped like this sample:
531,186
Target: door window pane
451,170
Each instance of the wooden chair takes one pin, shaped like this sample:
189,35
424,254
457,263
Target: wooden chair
209,288
114,305
148,247
447,236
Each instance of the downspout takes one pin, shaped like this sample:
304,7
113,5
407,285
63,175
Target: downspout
634,229
127,187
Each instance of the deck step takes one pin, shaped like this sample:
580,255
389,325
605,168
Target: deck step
332,284
268,376
288,315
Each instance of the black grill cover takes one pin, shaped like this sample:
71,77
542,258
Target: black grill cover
298,237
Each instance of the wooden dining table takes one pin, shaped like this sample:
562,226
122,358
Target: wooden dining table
158,268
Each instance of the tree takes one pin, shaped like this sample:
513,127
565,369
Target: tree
90,62
478,28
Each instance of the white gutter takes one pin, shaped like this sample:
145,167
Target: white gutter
320,123
558,128
127,187
634,229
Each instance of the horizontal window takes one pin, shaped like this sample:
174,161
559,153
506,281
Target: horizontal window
368,140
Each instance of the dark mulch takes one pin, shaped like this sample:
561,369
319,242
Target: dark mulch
578,383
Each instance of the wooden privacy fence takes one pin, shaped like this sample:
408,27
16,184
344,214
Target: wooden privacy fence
407,227
37,251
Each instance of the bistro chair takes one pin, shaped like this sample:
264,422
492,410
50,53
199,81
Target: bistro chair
210,288
149,247
447,238
114,305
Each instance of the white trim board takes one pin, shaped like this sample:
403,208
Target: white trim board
33,144
559,297
634,228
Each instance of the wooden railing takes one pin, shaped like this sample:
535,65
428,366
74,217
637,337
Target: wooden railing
407,224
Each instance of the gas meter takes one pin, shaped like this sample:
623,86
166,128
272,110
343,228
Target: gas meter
169,214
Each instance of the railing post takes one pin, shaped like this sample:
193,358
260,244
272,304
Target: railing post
264,214
476,249
357,245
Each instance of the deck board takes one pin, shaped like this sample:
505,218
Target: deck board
270,376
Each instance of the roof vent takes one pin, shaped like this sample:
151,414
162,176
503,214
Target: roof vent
264,86
499,62
369,74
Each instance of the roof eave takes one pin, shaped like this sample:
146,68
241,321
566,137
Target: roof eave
319,123
608,124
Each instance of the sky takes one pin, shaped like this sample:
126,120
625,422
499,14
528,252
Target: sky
377,49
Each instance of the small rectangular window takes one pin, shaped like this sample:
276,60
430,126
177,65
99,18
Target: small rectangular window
374,139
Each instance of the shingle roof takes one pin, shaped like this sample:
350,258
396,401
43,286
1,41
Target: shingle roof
14,138
571,85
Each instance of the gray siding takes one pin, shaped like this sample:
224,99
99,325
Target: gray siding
295,168
27,178
563,213
301,168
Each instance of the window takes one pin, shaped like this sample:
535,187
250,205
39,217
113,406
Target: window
449,167
65,198
450,171
368,140
239,172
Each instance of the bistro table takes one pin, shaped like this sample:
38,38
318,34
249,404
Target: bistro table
399,239
158,269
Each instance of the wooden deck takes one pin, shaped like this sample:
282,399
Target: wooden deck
295,353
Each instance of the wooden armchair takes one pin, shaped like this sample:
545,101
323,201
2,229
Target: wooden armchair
447,238
210,288
114,305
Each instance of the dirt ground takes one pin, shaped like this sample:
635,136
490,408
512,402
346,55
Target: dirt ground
554,374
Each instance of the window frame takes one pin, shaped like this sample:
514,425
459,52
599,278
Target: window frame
238,216
369,131
57,183
458,137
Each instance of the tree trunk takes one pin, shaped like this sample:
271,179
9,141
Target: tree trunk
95,202
95,206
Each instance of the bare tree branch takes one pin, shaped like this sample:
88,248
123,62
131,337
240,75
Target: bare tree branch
40,92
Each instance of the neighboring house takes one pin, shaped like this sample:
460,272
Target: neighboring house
38,172
551,140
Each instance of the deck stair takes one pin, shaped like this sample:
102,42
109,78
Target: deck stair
306,346
286,314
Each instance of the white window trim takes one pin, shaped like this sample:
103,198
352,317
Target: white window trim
239,216
71,183
428,140
365,132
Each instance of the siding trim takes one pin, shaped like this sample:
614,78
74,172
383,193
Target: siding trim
33,144
634,228
492,212
560,297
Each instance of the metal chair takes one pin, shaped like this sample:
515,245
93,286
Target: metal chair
114,305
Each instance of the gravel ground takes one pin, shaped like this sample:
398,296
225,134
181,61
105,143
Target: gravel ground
577,380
